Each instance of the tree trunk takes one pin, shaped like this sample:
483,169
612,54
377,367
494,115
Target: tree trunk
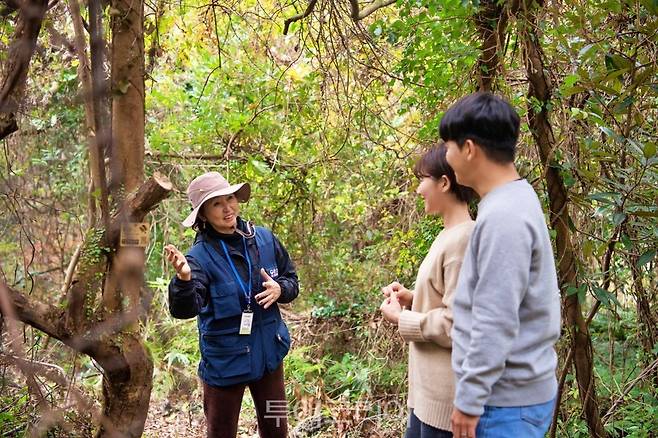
647,320
491,23
540,89
127,388
30,18
127,83
100,104
114,342
127,381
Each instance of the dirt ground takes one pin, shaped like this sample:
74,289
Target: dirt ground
186,420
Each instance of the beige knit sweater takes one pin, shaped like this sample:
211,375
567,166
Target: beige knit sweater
426,327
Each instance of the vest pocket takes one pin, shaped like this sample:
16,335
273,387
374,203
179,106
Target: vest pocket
225,300
282,336
226,362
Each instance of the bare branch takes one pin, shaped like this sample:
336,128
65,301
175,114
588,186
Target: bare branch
70,270
84,76
306,13
358,14
629,387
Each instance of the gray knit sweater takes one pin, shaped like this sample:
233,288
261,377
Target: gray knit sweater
507,306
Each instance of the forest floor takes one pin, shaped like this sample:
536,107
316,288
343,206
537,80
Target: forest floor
186,419
180,414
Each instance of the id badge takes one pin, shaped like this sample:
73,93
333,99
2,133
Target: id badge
245,323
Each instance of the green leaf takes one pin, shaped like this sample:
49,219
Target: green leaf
605,297
646,258
622,106
618,218
651,5
602,295
649,150
603,197
628,243
569,91
571,80
580,291
176,356
584,52
643,210
607,131
260,167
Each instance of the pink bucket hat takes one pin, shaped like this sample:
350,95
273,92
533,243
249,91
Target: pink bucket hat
210,185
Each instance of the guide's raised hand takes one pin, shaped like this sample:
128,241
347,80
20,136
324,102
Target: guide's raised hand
179,262
271,293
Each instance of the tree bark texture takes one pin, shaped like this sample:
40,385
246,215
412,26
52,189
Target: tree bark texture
99,99
539,90
110,336
491,23
127,87
12,85
127,382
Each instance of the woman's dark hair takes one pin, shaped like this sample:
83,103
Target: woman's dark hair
199,225
433,164
487,120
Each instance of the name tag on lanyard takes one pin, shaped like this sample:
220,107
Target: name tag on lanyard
246,321
247,316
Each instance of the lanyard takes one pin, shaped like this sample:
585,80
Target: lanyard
245,290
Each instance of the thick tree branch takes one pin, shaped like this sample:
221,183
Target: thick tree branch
358,14
42,316
20,52
68,325
306,13
138,204
101,110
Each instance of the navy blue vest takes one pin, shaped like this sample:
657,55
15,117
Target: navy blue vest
228,358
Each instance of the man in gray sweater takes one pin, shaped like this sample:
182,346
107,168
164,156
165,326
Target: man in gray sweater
507,302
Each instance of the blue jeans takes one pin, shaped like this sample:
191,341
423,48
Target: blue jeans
519,421
418,429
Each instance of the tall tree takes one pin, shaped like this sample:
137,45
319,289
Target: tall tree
540,90
105,297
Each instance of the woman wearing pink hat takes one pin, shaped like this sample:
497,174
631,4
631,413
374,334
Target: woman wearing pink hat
231,280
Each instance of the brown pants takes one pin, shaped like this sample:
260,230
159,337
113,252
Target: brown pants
222,407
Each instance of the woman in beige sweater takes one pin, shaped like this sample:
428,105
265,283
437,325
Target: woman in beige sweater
426,326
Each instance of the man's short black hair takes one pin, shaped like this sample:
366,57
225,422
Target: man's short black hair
487,120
